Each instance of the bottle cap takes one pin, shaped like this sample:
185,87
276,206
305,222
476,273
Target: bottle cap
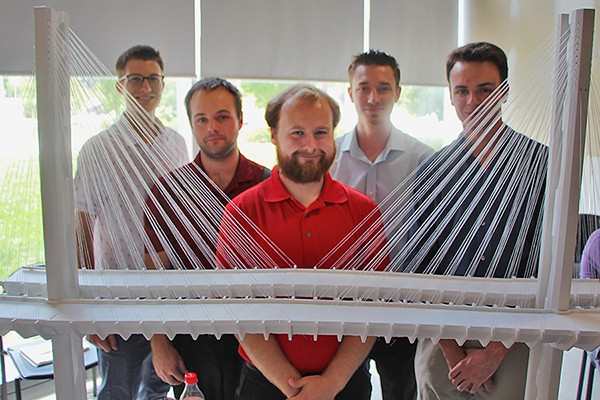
191,378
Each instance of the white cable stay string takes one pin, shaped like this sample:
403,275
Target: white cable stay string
502,181
521,190
190,190
530,211
239,229
388,219
119,168
509,108
514,150
197,313
131,140
528,89
537,106
185,201
21,229
113,172
212,216
427,198
85,68
89,67
186,192
511,89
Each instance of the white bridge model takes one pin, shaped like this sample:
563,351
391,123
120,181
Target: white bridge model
550,314
302,302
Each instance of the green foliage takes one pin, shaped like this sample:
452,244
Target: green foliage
8,87
21,234
90,94
167,110
25,89
108,99
111,100
262,135
263,91
423,100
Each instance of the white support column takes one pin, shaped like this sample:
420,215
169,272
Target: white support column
566,211
56,170
69,367
532,391
554,160
56,176
548,372
562,208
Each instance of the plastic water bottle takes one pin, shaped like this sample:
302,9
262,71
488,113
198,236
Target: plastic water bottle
191,391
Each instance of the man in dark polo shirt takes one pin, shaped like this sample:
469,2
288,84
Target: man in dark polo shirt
214,109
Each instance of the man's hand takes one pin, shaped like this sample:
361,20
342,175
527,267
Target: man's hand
267,356
350,355
488,385
167,362
313,387
452,352
475,371
106,345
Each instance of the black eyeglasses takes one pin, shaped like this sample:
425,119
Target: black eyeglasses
138,80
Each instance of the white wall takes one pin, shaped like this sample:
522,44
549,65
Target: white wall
518,27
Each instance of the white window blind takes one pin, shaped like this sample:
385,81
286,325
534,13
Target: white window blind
419,34
280,39
107,27
261,39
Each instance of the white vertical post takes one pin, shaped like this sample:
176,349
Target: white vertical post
566,211
56,170
69,366
555,282
547,373
552,177
554,159
56,177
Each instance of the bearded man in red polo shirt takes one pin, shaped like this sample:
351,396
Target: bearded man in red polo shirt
305,214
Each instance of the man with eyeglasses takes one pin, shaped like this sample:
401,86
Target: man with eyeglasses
109,209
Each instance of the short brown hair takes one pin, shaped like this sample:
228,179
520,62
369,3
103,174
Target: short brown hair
479,52
139,52
300,91
210,84
374,57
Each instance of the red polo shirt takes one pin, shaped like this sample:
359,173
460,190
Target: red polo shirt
305,235
178,197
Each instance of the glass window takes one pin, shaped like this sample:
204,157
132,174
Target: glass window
423,112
